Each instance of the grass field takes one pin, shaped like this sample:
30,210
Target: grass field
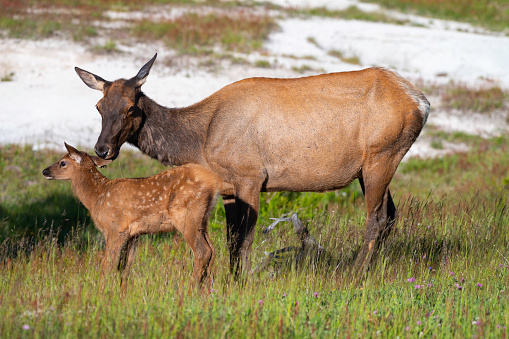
443,272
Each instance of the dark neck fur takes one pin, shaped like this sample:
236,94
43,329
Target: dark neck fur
170,135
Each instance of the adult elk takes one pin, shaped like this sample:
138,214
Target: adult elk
316,133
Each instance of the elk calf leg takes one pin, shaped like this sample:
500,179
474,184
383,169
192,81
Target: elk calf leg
203,253
110,261
126,261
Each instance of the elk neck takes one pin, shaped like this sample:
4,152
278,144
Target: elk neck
173,136
88,184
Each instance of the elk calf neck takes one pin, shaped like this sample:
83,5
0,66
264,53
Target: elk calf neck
178,199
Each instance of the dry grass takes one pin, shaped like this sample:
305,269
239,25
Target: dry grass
478,99
192,32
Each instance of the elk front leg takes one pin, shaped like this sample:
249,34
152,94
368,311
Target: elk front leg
114,244
247,202
231,221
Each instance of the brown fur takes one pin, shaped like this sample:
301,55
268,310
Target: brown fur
315,133
178,199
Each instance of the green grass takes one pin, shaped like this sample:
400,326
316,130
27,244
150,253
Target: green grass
451,233
491,14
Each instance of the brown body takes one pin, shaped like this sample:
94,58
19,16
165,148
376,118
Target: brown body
178,199
316,133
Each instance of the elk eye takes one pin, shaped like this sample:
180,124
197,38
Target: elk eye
62,164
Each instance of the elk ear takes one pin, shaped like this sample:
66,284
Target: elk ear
143,73
74,153
91,80
99,162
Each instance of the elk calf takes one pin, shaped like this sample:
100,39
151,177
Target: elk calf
122,209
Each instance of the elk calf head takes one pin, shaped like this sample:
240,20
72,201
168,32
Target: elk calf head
66,168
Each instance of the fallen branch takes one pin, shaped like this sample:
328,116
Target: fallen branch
309,245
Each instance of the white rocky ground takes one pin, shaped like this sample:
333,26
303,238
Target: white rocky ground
46,103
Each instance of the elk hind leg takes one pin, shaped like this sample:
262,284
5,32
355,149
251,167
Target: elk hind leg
203,253
126,259
389,207
375,184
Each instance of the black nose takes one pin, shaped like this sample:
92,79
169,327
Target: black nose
45,172
102,151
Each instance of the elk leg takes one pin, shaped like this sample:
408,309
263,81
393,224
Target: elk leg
126,260
248,204
375,184
203,253
114,245
388,206
231,230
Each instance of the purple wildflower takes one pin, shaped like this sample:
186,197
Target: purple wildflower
315,294
260,301
479,285
412,279
451,273
462,280
375,312
407,328
418,322
458,286
430,284
417,287
284,294
26,327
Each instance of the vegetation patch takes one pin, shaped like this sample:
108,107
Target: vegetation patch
478,99
190,32
491,14
350,13
242,31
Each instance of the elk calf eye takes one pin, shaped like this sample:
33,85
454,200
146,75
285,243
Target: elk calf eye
62,163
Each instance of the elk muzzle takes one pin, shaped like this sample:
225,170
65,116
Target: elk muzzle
47,173
106,151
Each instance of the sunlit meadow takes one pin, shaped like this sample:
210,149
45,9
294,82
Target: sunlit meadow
443,272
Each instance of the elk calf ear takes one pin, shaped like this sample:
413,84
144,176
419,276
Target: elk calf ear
142,75
91,80
99,162
74,153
